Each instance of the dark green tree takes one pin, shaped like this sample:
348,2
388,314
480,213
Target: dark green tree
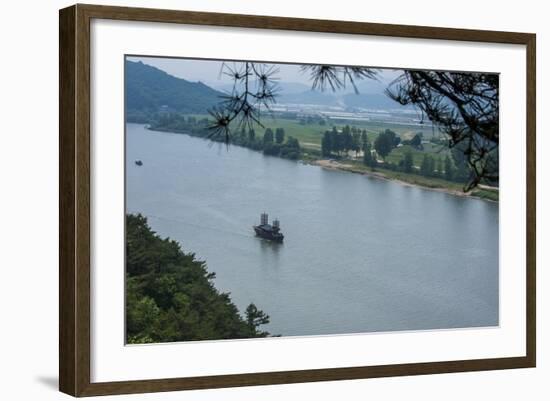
460,159
364,138
251,135
408,162
291,149
326,144
383,143
336,140
279,135
268,136
347,139
368,159
272,149
428,166
256,318
416,141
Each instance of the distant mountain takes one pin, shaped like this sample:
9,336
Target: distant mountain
371,94
366,86
371,101
149,89
328,98
292,87
282,87
309,97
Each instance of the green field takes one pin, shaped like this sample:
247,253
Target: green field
310,135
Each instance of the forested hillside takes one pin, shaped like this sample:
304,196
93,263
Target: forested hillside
170,295
150,90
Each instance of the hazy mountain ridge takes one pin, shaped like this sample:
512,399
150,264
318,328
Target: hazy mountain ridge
148,89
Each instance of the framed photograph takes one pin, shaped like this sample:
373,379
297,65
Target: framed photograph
250,200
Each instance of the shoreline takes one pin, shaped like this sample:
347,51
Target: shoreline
337,166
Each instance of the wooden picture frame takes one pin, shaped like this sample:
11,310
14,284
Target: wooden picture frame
74,203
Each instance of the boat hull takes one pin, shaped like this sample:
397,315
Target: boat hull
268,235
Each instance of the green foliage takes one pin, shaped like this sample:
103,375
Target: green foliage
364,138
255,318
268,136
291,150
463,172
280,135
408,162
428,166
368,159
347,139
271,149
416,141
334,141
268,144
385,142
486,194
170,295
326,144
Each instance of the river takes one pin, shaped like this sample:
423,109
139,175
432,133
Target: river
360,254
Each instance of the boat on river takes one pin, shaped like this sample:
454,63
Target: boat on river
271,232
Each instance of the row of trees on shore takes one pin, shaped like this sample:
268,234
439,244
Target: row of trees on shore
338,143
355,139
270,142
344,141
451,168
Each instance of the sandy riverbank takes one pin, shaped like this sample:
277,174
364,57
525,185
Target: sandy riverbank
336,165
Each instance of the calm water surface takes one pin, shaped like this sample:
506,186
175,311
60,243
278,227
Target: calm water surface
360,254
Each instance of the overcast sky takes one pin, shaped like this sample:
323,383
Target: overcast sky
208,71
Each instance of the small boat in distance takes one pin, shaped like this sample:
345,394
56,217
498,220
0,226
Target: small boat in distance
268,231
139,163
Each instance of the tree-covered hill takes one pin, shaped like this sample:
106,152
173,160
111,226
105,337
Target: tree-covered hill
170,296
150,90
